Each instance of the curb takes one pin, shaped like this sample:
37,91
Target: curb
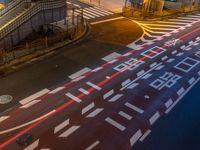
47,52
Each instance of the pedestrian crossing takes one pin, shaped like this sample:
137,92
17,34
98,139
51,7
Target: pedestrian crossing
90,12
156,29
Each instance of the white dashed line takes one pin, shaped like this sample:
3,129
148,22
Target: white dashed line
69,131
4,118
134,108
135,137
153,119
61,126
34,96
95,112
115,124
94,86
87,108
78,100
125,115
33,145
30,104
115,98
92,145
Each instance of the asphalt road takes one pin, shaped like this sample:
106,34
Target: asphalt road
113,105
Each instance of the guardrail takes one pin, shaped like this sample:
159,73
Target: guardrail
11,5
28,14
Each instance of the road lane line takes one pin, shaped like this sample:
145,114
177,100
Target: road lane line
108,94
97,69
115,124
93,145
79,73
28,123
87,108
84,91
134,108
155,117
33,145
76,99
93,86
4,118
115,98
169,103
127,81
111,57
125,115
34,96
30,104
61,126
180,91
69,131
95,112
145,135
57,90
135,137
191,81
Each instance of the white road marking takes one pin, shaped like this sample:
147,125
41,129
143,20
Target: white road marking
79,73
191,81
95,112
180,97
133,85
140,73
164,58
30,104
87,108
93,86
111,56
125,115
115,98
153,119
69,131
56,90
133,81
147,76
108,94
97,69
78,78
115,124
170,60
127,81
180,91
33,145
34,96
92,145
145,135
169,103
84,91
135,137
4,118
78,100
27,123
134,108
61,126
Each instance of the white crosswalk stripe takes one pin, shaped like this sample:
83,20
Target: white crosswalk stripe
156,29
93,12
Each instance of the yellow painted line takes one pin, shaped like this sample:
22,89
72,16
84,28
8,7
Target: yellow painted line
107,20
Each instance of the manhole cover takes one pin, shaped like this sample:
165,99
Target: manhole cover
4,99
